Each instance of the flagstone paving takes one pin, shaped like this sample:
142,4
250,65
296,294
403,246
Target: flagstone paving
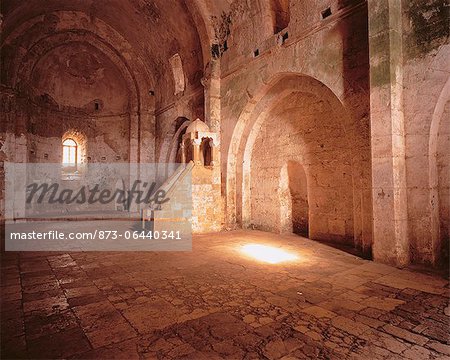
215,302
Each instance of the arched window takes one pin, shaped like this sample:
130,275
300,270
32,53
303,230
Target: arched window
70,148
178,73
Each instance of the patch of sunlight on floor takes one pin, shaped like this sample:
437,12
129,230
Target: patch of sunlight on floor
268,254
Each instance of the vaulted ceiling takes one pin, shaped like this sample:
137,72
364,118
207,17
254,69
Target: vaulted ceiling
137,37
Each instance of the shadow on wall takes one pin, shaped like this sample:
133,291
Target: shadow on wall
443,186
293,193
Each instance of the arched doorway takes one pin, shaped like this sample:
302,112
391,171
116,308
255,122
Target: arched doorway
293,194
298,189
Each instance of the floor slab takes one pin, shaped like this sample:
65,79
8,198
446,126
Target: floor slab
218,302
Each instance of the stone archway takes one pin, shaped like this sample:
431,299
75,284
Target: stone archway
335,158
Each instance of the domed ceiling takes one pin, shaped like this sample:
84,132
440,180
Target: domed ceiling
125,44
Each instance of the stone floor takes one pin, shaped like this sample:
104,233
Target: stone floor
216,302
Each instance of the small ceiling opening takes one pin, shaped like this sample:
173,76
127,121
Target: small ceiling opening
326,13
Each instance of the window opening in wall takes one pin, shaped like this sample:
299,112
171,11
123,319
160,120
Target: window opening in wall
256,53
281,39
326,13
70,149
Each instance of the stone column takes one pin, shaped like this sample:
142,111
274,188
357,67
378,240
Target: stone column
214,152
390,237
134,155
196,151
211,83
147,138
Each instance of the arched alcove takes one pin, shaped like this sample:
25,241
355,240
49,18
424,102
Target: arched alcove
206,151
170,153
302,127
173,140
300,119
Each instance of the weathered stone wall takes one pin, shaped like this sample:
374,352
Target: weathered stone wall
443,167
409,54
207,215
304,128
427,93
74,92
334,52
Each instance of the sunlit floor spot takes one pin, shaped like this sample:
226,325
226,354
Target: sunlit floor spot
269,254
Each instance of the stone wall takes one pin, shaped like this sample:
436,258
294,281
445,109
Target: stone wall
409,53
355,92
332,51
427,95
207,215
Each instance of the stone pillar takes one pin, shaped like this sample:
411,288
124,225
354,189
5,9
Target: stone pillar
196,151
213,106
211,82
148,171
134,155
147,138
214,153
390,237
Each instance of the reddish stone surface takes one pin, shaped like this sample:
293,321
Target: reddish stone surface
216,302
